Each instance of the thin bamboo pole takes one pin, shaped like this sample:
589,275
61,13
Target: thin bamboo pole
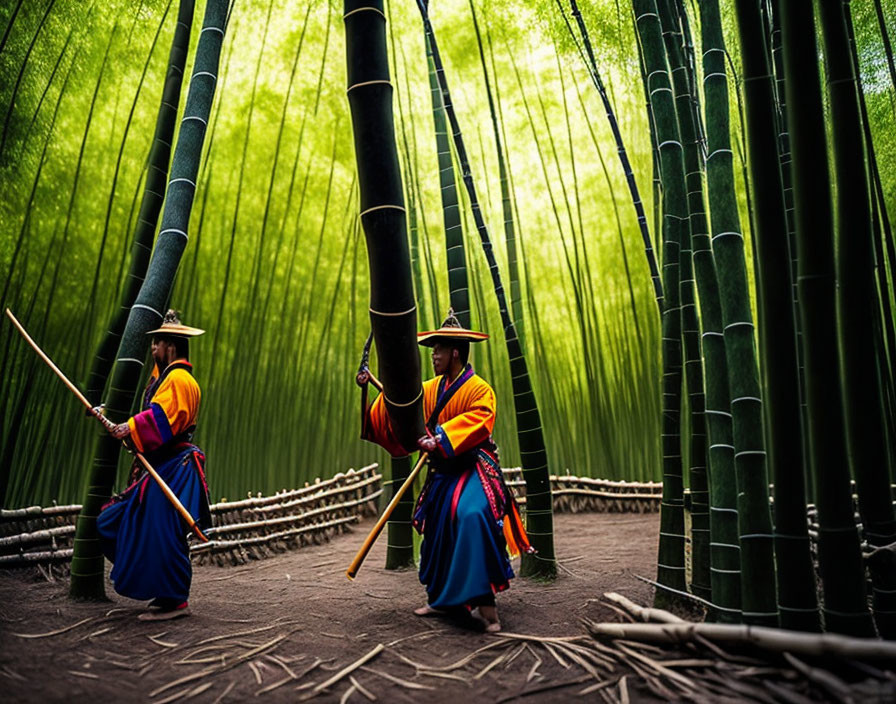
670,558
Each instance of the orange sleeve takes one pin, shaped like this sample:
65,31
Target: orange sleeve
378,428
173,409
472,426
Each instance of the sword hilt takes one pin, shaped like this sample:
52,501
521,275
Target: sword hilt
365,355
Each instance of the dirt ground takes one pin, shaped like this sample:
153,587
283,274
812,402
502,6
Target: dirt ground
280,627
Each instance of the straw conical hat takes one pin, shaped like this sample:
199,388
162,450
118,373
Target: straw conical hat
172,327
451,330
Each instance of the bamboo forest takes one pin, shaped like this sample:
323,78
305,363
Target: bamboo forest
665,226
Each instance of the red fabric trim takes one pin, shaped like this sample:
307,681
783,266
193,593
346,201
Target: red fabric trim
143,488
458,490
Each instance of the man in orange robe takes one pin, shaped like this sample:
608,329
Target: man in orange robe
141,532
465,511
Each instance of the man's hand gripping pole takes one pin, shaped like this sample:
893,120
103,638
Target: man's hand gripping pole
109,426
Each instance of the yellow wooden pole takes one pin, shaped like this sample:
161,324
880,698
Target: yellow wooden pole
378,528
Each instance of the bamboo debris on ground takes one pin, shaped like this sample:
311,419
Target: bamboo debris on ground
643,614
57,632
347,670
675,667
224,665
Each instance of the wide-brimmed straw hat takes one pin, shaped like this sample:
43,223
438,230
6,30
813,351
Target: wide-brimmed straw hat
172,327
451,331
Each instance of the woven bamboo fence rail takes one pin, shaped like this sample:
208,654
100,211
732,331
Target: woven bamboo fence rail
243,530
574,494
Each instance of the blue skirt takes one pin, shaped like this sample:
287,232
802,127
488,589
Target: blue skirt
144,536
464,554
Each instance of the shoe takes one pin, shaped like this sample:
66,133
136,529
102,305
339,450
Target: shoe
158,614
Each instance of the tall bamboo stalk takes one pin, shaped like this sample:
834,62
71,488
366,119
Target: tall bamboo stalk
458,286
393,312
539,509
670,560
863,405
696,241
725,569
151,202
839,555
87,562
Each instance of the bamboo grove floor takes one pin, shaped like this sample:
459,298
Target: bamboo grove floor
283,628
304,597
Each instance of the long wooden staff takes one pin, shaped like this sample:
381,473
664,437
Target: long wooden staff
109,425
353,568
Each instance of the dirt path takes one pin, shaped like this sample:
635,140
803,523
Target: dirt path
257,629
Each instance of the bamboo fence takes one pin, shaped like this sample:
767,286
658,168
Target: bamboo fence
259,526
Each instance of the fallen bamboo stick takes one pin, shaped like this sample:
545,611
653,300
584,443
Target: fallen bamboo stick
346,671
641,613
771,639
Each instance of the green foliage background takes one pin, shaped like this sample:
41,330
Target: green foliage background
275,269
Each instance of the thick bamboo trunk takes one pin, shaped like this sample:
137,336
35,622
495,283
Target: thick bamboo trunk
795,576
839,554
400,545
393,312
696,259
863,405
778,336
87,563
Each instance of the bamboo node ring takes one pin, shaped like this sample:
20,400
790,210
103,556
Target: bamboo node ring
364,9
382,207
393,315
405,405
369,83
